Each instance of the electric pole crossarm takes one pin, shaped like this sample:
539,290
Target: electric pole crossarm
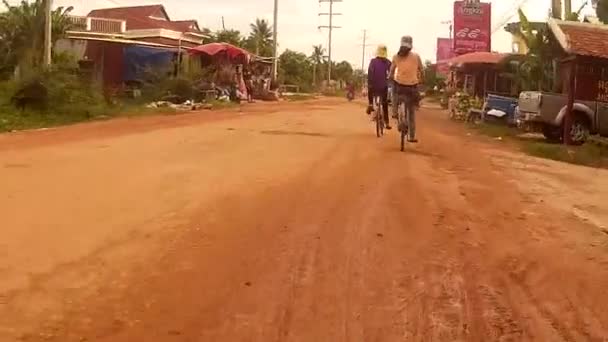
330,27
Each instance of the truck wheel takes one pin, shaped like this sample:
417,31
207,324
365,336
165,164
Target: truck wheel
581,129
552,133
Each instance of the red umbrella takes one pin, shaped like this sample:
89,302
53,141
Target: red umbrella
213,49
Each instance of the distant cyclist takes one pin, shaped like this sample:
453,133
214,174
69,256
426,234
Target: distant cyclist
377,83
406,72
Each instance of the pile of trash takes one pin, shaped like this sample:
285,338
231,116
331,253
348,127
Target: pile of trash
186,106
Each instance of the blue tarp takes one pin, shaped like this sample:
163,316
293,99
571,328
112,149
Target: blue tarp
503,103
138,58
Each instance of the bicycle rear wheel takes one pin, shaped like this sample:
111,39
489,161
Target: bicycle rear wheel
402,126
379,119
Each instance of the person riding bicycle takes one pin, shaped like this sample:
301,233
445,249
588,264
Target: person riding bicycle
377,83
406,73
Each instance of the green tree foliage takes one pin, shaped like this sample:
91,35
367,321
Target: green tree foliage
228,36
260,38
316,58
343,71
535,70
431,78
602,11
295,68
22,34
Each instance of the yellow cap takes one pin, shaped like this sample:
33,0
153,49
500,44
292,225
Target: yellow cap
381,51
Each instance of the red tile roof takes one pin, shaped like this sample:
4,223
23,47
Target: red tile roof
145,17
584,39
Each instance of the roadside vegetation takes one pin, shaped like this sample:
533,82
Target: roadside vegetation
533,71
33,95
594,153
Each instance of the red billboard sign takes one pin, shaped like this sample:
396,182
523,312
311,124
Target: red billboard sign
445,48
472,26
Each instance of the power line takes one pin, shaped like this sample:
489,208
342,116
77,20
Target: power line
508,15
330,28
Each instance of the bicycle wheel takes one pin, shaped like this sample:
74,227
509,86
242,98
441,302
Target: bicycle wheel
379,119
402,129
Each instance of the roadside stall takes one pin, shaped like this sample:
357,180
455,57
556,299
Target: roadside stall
228,62
479,81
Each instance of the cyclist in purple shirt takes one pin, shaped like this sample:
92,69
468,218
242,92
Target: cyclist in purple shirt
377,81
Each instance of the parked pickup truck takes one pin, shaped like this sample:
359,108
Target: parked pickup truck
545,112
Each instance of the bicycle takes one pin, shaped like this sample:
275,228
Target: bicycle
378,116
404,119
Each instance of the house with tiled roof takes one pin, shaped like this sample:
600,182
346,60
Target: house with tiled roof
585,50
113,39
150,24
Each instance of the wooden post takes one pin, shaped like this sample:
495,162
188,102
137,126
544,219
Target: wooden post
485,83
571,94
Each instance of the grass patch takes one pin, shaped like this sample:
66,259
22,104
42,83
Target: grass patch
299,97
588,154
12,120
594,153
494,131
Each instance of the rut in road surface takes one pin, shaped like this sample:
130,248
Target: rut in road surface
311,229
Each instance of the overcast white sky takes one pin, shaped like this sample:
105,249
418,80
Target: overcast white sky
385,20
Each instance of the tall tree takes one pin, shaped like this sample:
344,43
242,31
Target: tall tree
295,68
260,38
535,70
343,71
229,36
22,32
316,58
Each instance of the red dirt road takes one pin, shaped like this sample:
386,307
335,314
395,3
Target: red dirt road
290,223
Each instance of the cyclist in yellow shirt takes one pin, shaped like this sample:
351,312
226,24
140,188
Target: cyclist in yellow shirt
406,73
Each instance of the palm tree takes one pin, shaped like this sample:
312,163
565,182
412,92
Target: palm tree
534,71
316,58
22,32
260,37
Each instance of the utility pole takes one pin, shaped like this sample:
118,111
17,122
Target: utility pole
48,28
363,53
275,59
450,26
556,9
330,28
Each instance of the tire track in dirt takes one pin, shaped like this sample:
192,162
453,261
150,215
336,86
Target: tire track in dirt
365,244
